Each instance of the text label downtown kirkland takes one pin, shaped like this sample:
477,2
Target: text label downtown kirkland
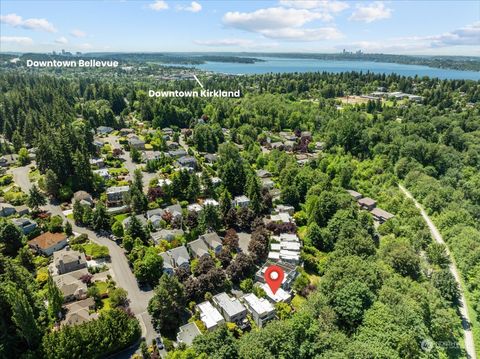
194,93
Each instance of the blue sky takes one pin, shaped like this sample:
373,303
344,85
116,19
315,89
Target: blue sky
409,27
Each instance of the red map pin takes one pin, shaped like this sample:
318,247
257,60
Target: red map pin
274,277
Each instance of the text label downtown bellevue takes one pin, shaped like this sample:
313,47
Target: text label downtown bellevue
194,93
72,63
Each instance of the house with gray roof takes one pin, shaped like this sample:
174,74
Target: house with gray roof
26,225
68,260
187,333
187,161
198,248
174,258
232,310
213,241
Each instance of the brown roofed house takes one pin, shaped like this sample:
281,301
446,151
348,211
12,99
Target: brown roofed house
381,215
367,203
48,242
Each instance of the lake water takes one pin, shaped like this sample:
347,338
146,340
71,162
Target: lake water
284,65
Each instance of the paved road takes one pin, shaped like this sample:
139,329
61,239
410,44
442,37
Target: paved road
468,336
120,268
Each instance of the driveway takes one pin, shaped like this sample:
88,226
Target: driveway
467,330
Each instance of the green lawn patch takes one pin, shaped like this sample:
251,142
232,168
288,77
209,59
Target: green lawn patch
95,250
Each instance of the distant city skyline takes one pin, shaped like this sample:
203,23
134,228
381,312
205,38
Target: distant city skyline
395,27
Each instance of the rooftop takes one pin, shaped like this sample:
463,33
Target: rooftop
209,314
47,240
259,305
230,305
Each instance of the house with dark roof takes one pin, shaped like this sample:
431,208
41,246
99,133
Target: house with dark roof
26,225
187,161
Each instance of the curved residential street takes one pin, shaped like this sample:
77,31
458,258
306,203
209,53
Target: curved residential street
468,335
121,271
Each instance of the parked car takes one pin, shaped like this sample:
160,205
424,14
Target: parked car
159,343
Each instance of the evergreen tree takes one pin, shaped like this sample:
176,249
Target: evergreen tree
23,317
55,299
35,198
167,304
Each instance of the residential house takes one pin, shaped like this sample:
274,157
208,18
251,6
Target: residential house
115,195
175,210
187,161
48,242
166,234
83,197
136,143
7,210
381,215
79,312
267,183
367,203
174,258
104,130
26,225
167,131
177,153
263,173
213,241
103,172
211,202
211,158
71,284
261,310
171,145
126,131
99,162
210,316
187,333
68,260
232,310
194,207
289,270
284,208
140,217
354,194
22,210
241,201
198,248
280,295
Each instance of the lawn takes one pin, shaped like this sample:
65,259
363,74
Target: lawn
95,250
102,288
